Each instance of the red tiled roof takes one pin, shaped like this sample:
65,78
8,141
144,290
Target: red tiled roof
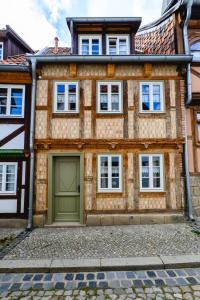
157,40
60,51
14,60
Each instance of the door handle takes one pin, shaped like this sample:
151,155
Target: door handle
78,188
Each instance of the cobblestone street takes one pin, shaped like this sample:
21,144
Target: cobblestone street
163,284
107,241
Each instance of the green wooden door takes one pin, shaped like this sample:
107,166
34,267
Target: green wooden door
67,189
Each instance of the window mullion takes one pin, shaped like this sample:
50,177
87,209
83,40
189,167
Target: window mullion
4,178
151,171
109,97
110,172
66,96
8,101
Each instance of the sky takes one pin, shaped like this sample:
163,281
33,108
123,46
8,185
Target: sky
39,21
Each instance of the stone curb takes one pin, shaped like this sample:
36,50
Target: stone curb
93,265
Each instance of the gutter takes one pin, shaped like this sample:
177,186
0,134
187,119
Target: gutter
189,210
32,154
13,68
137,58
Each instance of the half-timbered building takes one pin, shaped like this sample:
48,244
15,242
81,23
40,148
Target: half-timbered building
177,32
15,105
109,129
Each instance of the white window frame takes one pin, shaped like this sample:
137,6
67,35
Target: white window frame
118,36
151,188
1,56
66,83
151,83
109,84
109,189
8,104
4,192
90,38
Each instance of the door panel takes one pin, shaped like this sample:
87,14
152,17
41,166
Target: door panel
66,188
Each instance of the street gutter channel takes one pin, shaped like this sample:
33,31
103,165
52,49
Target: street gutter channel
13,243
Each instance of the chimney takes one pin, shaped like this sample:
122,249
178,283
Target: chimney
56,40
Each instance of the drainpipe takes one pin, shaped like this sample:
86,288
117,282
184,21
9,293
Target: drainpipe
189,212
32,156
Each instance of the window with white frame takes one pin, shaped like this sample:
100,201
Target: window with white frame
109,173
1,51
151,172
8,178
12,100
109,96
90,45
66,97
151,97
118,45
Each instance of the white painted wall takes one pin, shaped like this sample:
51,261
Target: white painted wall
15,144
8,206
6,129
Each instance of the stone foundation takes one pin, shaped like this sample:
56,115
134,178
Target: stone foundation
195,188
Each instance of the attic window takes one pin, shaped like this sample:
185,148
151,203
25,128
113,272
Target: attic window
195,49
89,45
117,45
1,51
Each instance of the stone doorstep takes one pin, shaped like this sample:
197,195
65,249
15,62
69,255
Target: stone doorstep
95,265
133,219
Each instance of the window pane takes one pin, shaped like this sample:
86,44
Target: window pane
115,183
10,187
145,182
156,182
103,97
115,102
16,92
85,47
115,166
145,161
103,88
198,116
156,97
10,169
60,97
16,110
122,47
104,183
112,46
199,132
104,172
60,88
145,97
2,110
10,177
156,89
115,88
156,161
95,47
3,92
72,88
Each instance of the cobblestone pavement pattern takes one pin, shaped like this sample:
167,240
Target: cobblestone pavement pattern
161,284
108,241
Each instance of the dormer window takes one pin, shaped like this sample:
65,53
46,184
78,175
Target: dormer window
89,45
1,51
118,45
195,49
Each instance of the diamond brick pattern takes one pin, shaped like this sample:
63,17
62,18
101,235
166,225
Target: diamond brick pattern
41,125
152,128
65,128
55,70
111,203
109,128
152,203
42,92
91,70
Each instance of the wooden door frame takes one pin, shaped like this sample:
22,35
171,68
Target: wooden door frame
51,169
